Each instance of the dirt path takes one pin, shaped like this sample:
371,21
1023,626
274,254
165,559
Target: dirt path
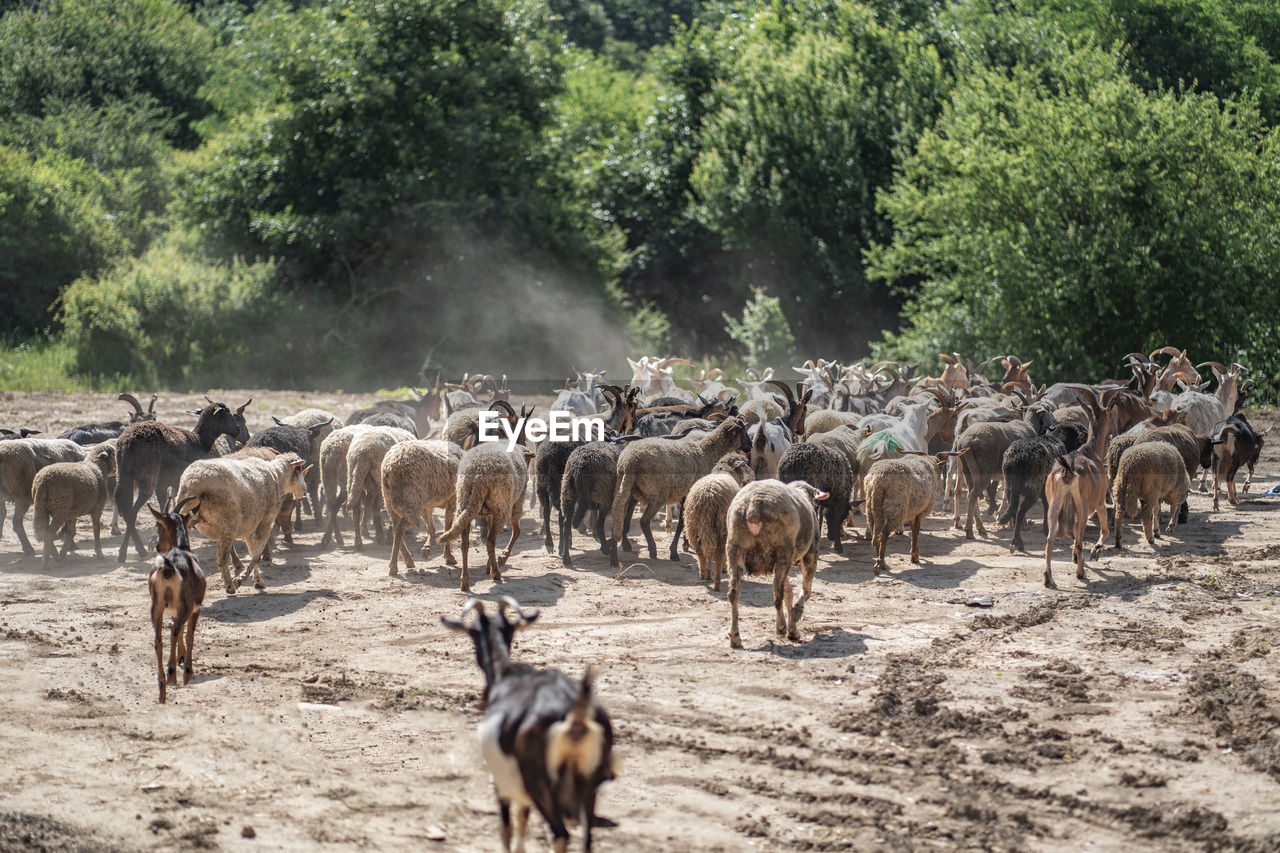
1136,710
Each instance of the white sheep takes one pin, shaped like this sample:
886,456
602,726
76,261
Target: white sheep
239,498
20,460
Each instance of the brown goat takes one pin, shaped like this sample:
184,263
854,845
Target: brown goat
1077,479
177,586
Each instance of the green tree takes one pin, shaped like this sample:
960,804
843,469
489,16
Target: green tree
763,331
53,227
1079,222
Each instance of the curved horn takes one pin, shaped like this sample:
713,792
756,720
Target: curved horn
184,501
667,362
1170,351
210,402
947,358
280,422
1140,356
1015,361
752,374
132,401
790,397
1216,365
1239,367
243,406
505,406
507,601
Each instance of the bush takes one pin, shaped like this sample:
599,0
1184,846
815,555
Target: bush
53,228
172,318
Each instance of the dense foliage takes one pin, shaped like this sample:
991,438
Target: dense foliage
329,189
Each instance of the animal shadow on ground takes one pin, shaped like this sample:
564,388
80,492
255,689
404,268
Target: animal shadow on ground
78,564
262,607
531,590
827,643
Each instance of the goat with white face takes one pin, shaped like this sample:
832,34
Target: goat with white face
546,740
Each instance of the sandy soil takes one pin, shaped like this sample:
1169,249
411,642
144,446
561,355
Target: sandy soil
1136,710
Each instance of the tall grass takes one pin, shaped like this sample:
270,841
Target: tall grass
47,364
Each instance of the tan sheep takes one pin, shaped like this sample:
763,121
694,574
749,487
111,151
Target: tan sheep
1149,473
20,460
902,491
706,513
417,477
364,470
65,491
491,483
772,526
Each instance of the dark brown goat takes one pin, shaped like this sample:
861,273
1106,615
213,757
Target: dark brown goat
177,586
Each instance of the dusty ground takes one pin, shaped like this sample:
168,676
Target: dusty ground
1136,710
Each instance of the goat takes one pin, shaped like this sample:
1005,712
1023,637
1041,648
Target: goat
1077,479
546,740
1025,466
177,586
1235,443
771,527
653,375
89,434
151,457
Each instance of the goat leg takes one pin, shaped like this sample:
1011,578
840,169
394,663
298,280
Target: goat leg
675,540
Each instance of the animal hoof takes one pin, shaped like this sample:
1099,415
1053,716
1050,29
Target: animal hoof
1049,583
231,589
259,585
735,642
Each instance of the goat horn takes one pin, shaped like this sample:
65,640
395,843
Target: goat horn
207,400
133,401
790,397
1014,360
243,406
184,501
507,601
503,404
1239,367
752,374
1212,364
947,358
1140,356
1170,351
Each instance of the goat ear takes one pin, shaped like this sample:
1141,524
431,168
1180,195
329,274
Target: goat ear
159,515
454,625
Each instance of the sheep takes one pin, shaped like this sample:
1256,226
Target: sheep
333,476
549,462
64,491
304,441
546,740
239,498
589,481
417,477
177,587
1077,479
659,471
491,483
1234,443
1196,451
902,491
364,467
771,527
306,419
151,457
20,461
706,512
828,469
1149,473
986,442
1025,466
284,518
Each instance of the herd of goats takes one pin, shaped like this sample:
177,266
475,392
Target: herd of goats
747,474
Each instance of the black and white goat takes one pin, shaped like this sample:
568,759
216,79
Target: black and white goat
547,742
